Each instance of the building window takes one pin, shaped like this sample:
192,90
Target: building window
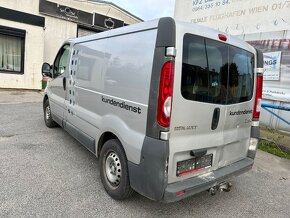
11,50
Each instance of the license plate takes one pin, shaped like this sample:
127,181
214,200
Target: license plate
193,165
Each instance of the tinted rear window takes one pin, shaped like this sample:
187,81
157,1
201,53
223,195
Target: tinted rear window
215,72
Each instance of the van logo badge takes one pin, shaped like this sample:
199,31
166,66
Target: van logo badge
109,23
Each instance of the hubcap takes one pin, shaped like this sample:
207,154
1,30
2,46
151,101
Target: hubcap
113,169
47,113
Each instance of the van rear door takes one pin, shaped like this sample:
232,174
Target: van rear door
211,108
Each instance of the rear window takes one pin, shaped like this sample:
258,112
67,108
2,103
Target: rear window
215,72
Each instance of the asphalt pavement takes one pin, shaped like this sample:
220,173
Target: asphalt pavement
46,173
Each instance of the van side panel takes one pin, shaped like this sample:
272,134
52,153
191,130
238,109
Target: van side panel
112,87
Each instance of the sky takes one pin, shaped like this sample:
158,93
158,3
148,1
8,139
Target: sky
149,9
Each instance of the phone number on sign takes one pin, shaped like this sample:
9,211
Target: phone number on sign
207,4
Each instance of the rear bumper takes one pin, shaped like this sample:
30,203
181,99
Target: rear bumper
204,182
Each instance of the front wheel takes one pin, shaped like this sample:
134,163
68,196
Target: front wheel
47,115
114,170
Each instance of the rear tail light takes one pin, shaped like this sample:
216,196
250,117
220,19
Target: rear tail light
165,94
258,97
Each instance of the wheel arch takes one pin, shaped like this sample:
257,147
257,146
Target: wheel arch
106,136
112,126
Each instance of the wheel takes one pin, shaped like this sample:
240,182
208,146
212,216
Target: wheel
47,115
114,170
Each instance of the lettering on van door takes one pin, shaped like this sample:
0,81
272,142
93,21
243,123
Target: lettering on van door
122,105
239,112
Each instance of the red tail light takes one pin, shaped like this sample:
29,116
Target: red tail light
165,94
258,98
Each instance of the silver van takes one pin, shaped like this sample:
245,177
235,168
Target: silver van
169,108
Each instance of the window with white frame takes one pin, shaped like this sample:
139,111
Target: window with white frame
11,50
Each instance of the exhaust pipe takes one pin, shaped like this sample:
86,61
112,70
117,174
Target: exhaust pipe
224,186
212,190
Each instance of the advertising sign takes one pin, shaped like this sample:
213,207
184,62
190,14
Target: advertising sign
276,93
272,65
236,16
277,64
65,12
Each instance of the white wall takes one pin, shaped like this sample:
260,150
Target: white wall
56,32
28,6
33,59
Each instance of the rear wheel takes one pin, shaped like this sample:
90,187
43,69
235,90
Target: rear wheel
114,170
47,115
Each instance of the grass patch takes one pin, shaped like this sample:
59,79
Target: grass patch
273,149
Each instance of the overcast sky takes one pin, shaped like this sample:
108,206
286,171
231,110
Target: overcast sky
149,9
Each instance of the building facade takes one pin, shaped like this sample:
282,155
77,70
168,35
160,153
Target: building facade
32,31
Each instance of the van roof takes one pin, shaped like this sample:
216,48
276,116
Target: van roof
154,24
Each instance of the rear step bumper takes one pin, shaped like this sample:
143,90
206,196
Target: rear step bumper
206,181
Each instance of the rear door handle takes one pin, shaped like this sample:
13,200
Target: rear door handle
215,118
64,83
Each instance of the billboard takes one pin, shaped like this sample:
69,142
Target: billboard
236,17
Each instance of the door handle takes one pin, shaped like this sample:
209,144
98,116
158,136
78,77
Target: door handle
215,118
64,83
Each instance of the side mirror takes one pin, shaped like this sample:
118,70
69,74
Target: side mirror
45,70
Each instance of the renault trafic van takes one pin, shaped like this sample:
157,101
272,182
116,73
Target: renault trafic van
171,109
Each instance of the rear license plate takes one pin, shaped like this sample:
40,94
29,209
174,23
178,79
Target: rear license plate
193,165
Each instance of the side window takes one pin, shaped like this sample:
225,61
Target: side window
61,61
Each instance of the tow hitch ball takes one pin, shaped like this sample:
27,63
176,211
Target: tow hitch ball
224,186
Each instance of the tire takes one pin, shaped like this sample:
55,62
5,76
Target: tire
114,170
47,115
